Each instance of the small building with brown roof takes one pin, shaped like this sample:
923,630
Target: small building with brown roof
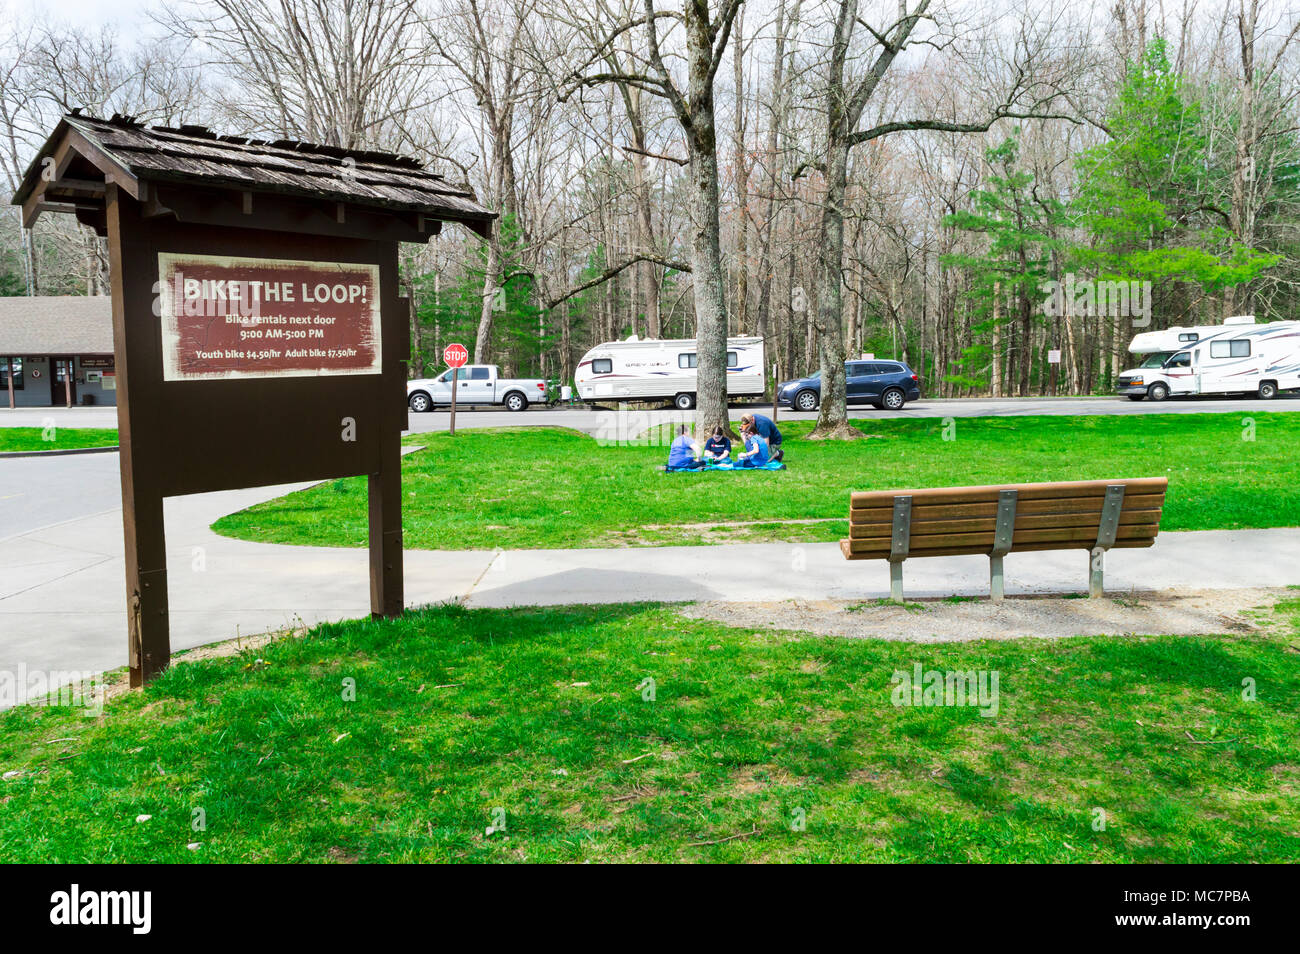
56,350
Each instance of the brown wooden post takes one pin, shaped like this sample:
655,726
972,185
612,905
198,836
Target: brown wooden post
137,363
455,383
67,384
385,488
9,376
776,383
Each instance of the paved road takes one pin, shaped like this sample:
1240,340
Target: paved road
62,604
593,421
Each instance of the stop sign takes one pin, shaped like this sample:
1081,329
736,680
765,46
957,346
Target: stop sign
455,355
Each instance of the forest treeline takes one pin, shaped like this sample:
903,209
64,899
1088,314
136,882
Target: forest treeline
967,186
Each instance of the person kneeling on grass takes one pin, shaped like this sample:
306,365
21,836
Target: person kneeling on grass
756,452
682,453
766,428
718,447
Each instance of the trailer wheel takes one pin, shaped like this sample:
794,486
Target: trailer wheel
1158,392
1267,390
684,401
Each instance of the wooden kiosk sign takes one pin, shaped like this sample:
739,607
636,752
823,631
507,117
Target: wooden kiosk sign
259,335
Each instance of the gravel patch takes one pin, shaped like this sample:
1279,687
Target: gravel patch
1173,612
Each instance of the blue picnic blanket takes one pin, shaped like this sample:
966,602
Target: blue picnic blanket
726,466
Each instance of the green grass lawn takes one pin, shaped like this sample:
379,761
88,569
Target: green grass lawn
546,487
55,438
537,718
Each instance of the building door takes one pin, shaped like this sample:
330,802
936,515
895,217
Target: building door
62,381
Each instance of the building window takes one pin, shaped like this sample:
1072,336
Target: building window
602,366
4,373
1230,349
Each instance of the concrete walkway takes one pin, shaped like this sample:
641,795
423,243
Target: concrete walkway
62,599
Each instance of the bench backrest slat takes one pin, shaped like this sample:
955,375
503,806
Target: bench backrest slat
1044,491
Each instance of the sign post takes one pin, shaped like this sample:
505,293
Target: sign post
1054,362
776,383
259,333
456,355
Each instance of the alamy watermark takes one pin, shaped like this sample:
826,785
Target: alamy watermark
68,688
938,687
628,428
1086,297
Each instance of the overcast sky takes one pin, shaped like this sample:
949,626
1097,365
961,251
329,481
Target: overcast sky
126,13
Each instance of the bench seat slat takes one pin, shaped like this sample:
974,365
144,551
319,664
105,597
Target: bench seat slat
987,524
1040,491
981,542
971,551
989,508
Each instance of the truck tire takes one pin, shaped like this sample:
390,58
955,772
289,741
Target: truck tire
420,402
893,399
516,402
1158,391
684,401
1267,390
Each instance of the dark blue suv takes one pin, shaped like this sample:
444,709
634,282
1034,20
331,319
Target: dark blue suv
886,384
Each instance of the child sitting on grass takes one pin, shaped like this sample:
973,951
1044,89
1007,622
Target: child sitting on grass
718,447
683,454
756,452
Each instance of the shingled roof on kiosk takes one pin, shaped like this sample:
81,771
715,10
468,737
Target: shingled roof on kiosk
196,175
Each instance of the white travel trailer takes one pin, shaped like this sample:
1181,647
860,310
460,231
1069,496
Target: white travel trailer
1236,357
654,369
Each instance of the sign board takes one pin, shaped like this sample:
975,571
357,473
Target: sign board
1054,356
99,362
455,355
259,334
225,318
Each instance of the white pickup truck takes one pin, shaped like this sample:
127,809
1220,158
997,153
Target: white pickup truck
475,384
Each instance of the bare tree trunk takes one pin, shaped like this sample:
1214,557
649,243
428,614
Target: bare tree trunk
483,339
995,384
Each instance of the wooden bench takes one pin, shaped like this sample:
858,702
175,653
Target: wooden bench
1093,515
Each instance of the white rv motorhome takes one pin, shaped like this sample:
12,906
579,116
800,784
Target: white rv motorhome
655,369
1236,357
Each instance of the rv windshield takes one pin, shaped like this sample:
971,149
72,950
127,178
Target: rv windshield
1156,359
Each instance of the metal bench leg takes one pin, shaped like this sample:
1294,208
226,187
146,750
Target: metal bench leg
1003,539
1109,526
899,544
896,580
